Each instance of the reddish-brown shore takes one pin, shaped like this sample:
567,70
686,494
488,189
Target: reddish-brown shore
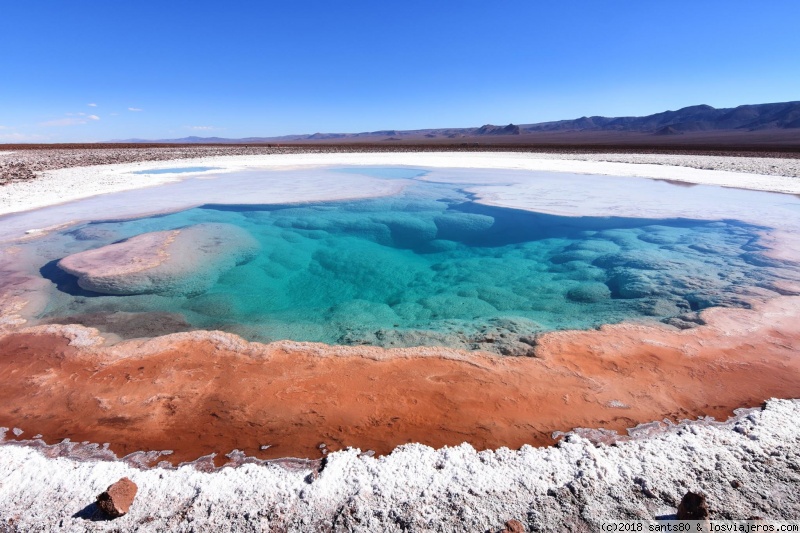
198,393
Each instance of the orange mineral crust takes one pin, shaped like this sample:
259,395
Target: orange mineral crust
198,393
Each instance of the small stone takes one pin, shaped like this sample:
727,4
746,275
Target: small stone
513,526
118,498
735,483
693,506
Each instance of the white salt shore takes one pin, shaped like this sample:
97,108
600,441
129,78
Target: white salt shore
545,183
64,185
749,466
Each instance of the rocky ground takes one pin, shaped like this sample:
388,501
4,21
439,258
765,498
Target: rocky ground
23,164
747,467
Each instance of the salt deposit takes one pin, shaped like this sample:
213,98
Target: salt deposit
63,185
748,466
182,261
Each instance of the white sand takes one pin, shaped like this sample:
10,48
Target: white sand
65,185
572,487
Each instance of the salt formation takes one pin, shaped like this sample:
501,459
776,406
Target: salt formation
183,261
748,466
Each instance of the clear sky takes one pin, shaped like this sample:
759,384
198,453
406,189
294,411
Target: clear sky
84,70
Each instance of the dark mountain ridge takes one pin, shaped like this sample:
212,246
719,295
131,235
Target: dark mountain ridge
693,118
698,118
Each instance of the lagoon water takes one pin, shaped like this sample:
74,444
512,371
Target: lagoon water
176,170
428,266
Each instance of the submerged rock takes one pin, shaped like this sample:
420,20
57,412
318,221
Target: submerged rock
515,336
117,498
92,233
589,292
128,325
459,226
182,261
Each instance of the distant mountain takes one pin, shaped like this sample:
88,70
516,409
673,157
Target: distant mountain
694,118
667,130
489,129
699,118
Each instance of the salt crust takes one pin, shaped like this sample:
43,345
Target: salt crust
64,185
418,488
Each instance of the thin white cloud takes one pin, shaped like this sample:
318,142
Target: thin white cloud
92,105
201,128
134,109
22,137
63,122
3,127
71,120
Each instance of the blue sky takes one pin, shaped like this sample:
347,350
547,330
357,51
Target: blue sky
99,70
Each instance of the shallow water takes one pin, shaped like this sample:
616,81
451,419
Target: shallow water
429,267
176,170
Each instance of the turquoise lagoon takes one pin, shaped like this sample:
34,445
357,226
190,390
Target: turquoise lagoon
429,266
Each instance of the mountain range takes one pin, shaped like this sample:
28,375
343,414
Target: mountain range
688,120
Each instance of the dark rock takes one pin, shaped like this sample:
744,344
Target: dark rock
693,506
118,498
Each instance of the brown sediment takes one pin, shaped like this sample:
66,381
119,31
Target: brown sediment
198,393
